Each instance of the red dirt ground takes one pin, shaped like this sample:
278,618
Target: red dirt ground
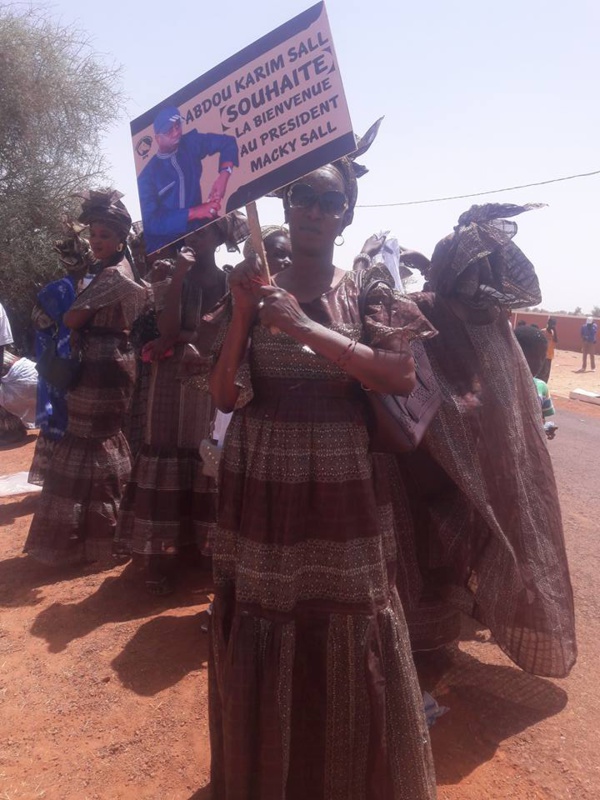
103,689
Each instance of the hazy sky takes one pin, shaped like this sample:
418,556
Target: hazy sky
476,96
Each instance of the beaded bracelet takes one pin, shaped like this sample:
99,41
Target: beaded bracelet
364,257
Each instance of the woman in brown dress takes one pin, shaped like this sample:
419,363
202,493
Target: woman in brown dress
482,489
170,504
313,692
77,517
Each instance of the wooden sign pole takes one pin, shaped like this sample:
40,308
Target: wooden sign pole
257,241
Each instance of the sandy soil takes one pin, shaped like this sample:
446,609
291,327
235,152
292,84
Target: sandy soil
565,375
103,689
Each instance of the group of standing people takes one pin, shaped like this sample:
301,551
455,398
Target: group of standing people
331,563
111,490
588,334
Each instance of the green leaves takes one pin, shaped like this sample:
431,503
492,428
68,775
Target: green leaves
57,99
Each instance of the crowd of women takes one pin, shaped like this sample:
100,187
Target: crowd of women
331,563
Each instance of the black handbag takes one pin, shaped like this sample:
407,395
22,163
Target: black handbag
61,373
397,423
144,329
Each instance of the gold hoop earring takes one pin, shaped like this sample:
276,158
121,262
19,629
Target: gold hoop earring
120,247
335,241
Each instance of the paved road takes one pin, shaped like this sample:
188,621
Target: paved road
579,434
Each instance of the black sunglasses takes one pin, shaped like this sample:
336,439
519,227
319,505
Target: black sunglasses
332,203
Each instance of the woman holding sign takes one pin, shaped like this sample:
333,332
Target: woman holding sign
313,692
168,509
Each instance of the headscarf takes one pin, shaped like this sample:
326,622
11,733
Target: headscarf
350,170
347,167
265,232
479,262
107,208
233,229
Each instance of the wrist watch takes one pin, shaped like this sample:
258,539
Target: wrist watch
226,169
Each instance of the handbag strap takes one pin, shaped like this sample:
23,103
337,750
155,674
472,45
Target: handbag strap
365,288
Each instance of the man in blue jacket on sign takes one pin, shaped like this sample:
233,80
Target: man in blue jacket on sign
170,192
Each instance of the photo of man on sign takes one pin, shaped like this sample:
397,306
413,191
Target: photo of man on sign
261,119
169,185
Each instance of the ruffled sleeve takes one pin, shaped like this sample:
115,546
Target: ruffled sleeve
113,291
107,288
390,319
199,361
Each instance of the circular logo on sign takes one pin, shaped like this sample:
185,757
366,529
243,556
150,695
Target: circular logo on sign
144,146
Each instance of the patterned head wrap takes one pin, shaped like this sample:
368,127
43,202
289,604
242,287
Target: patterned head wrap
107,208
479,263
347,167
265,232
350,170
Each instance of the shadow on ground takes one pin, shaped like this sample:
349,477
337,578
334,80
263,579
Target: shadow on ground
22,578
11,510
488,703
162,652
27,439
119,598
202,794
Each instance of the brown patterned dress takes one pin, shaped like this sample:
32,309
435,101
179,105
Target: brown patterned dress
82,491
313,692
485,501
169,502
482,490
